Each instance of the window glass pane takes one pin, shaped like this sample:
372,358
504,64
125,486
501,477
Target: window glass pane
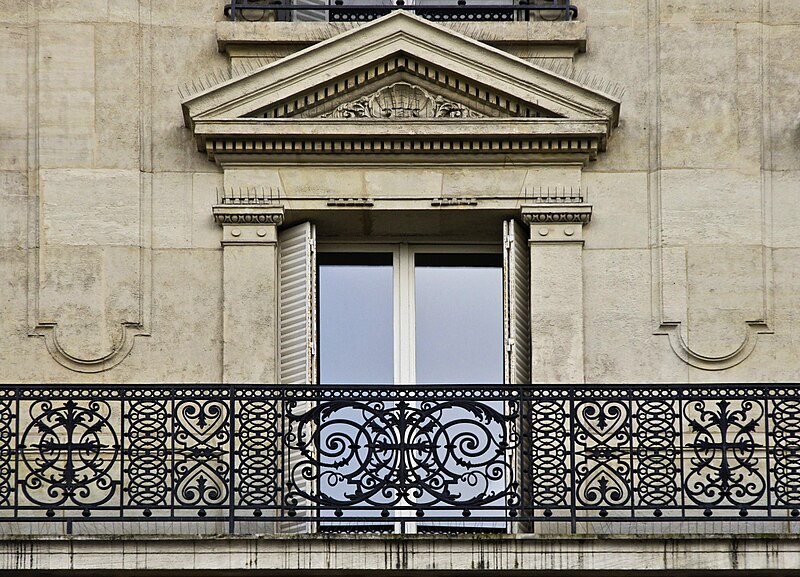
355,318
459,318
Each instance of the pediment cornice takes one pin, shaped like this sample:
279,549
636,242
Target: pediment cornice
440,140
289,106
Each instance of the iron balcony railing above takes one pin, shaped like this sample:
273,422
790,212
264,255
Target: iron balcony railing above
408,458
366,10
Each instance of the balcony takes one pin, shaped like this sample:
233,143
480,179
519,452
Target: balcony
367,10
408,459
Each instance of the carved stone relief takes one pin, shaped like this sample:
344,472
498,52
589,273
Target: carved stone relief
402,100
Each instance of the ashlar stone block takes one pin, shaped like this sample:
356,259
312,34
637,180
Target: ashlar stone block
14,95
66,95
91,207
726,288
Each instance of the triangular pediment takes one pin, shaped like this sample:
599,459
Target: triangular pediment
400,67
401,77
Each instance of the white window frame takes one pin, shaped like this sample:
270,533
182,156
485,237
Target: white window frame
404,282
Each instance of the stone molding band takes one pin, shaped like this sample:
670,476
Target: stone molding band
557,214
248,214
274,219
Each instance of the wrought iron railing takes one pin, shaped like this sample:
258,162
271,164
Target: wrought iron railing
366,10
386,458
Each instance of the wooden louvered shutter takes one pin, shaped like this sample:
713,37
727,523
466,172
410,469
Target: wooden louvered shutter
516,303
298,303
298,334
517,336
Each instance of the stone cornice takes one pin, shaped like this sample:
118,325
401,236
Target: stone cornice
269,140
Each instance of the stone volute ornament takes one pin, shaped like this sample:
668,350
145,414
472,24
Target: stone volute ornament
402,100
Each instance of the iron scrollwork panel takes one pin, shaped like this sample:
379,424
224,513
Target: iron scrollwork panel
149,447
68,454
394,454
7,452
201,437
258,453
547,455
784,420
602,440
657,454
725,467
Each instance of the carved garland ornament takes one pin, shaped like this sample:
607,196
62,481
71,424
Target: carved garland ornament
402,100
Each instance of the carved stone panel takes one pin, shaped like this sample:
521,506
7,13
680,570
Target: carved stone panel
402,100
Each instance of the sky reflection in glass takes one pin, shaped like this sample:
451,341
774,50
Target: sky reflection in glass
459,318
356,335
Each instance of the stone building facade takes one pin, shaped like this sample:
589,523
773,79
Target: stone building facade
169,177
114,262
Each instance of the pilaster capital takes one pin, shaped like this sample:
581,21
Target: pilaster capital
248,224
557,222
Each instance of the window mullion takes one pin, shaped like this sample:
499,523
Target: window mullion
405,315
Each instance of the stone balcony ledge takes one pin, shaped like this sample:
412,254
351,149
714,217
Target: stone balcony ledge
684,555
271,40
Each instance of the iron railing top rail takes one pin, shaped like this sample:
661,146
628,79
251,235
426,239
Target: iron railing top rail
339,10
527,391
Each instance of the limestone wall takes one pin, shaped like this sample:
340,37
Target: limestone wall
111,260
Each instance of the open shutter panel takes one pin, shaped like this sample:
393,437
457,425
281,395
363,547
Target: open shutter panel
310,15
298,327
516,323
516,302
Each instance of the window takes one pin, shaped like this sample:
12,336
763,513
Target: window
369,313
406,313
410,314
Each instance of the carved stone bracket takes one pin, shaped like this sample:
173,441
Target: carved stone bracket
557,222
402,100
248,224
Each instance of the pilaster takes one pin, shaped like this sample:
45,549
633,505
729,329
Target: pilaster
250,291
556,247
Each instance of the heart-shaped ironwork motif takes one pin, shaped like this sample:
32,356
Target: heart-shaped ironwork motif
602,420
201,421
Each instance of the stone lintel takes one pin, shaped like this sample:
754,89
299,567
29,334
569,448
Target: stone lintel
312,555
